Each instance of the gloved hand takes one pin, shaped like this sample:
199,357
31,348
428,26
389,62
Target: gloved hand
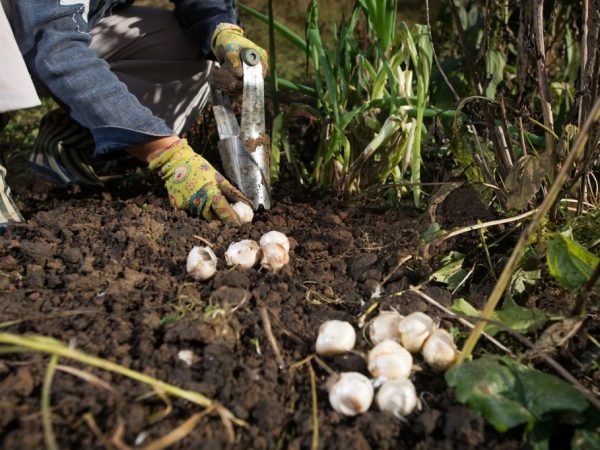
227,42
194,185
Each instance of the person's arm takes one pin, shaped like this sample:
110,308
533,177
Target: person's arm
55,40
199,18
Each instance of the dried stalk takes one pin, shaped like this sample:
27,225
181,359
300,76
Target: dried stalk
517,252
538,31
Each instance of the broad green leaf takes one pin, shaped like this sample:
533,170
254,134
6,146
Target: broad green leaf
451,272
545,394
483,385
518,318
508,393
570,263
521,319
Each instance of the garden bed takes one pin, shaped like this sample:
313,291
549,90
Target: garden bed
105,272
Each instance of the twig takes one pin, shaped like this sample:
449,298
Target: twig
435,57
91,422
180,432
465,322
49,437
395,269
517,252
538,31
315,407
485,225
586,291
206,241
86,376
264,315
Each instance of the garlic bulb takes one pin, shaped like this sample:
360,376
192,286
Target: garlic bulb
243,211
275,237
351,393
335,337
414,329
385,326
388,360
274,257
243,254
398,397
439,350
201,263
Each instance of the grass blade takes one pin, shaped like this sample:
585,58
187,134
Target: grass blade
293,37
49,437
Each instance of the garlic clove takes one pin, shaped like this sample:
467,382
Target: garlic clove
275,237
350,393
187,356
201,263
274,257
414,329
385,326
388,360
439,350
335,337
243,254
398,397
243,211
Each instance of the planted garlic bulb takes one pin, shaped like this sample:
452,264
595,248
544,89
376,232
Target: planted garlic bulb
201,263
398,397
243,211
335,337
414,329
350,393
275,237
385,326
388,360
439,350
243,254
274,257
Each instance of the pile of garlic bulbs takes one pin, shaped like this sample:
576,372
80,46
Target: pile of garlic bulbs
389,362
272,252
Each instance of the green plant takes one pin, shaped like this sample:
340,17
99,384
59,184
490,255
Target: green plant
371,94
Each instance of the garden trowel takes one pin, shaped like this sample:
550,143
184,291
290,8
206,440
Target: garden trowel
245,148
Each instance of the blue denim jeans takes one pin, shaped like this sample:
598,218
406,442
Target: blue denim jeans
54,38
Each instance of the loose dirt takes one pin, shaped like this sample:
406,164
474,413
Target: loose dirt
105,272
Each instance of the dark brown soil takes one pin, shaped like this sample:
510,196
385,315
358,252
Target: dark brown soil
105,272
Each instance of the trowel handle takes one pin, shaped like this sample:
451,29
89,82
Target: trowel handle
250,56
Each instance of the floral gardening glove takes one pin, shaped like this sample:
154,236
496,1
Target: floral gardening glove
227,42
194,185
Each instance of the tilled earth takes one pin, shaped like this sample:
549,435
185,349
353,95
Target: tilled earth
105,273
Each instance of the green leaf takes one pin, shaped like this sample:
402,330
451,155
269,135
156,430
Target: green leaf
431,232
570,263
451,272
509,394
483,384
518,318
586,440
544,394
522,278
